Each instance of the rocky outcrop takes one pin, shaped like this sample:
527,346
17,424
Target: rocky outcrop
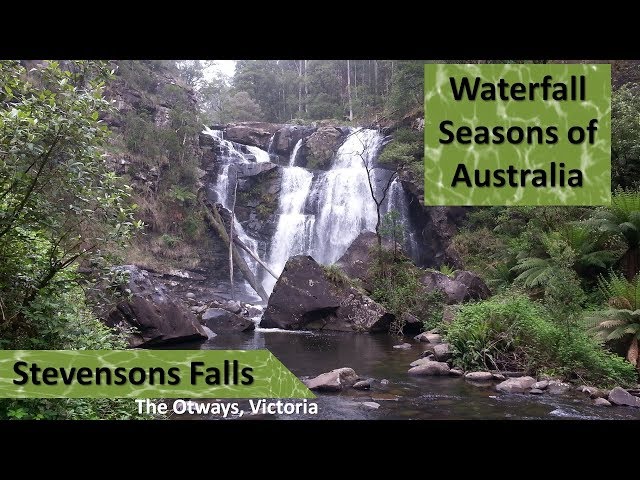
516,385
257,134
463,286
153,312
257,198
479,376
303,298
220,320
285,139
318,149
333,381
358,258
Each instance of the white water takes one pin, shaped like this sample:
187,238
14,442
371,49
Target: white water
397,200
344,205
294,153
229,156
347,208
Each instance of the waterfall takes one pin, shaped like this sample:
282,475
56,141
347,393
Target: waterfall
397,200
230,154
320,216
294,153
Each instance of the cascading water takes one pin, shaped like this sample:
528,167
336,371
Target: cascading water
294,153
294,227
397,200
229,155
321,216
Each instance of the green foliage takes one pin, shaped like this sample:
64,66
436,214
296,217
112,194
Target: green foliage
392,228
447,270
625,137
335,275
170,240
621,320
396,285
240,107
514,333
182,195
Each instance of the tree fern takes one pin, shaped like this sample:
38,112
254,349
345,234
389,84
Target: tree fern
615,323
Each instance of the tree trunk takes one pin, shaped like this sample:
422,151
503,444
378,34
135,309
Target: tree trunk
299,65
375,77
349,91
355,79
239,243
306,88
216,222
631,263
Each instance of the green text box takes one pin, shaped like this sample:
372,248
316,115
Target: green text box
593,160
271,379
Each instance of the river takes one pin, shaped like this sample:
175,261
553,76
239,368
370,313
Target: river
406,397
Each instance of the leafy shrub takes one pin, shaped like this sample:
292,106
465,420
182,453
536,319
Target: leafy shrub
169,240
335,275
516,333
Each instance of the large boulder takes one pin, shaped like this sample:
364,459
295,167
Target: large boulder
221,320
155,314
461,287
305,299
516,385
619,396
257,134
333,381
430,368
358,258
285,139
318,149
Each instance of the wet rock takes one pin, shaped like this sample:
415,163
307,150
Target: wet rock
430,369
155,313
371,405
536,391
253,311
479,376
191,295
602,402
257,134
558,388
456,372
593,392
428,351
286,138
421,361
412,323
209,332
498,376
384,381
463,286
516,385
541,385
304,299
318,149
233,306
403,346
220,320
449,313
619,396
431,338
333,381
363,384
442,352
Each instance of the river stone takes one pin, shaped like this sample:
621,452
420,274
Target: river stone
479,376
430,368
220,320
384,381
157,316
412,323
256,134
536,391
431,338
498,376
602,402
371,405
333,381
442,352
516,385
420,361
541,385
558,388
363,384
233,306
456,372
593,392
403,346
619,396
191,295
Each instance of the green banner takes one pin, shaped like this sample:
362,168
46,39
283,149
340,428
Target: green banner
517,134
146,374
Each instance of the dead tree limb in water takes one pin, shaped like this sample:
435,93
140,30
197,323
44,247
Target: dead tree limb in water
214,218
239,243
